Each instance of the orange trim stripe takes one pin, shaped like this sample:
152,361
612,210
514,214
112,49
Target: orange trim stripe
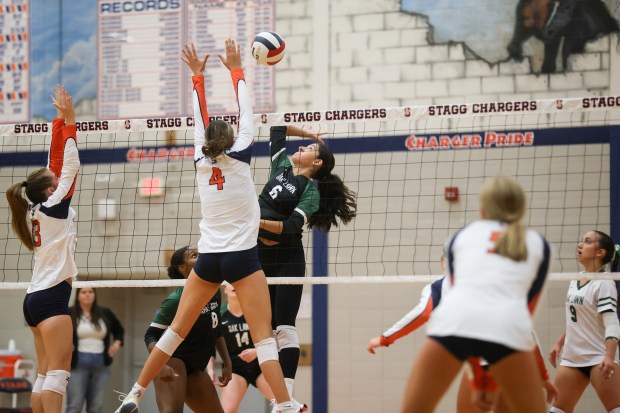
199,87
57,147
414,324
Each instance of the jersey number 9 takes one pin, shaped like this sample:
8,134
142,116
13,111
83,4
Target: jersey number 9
573,312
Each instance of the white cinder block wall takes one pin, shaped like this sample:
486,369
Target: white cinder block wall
381,56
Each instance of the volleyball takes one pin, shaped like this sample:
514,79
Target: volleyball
268,48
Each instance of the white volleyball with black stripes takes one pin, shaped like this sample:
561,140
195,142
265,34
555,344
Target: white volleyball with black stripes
268,48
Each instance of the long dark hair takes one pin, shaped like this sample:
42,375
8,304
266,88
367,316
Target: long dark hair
218,138
178,258
337,201
611,256
36,185
95,312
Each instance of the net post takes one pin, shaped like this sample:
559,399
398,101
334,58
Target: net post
614,180
614,191
319,323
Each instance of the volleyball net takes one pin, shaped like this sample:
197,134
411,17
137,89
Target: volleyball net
417,172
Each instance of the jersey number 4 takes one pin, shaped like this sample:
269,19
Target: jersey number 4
36,233
217,178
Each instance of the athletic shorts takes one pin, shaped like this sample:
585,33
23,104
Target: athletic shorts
44,304
217,267
282,260
585,370
191,367
462,348
249,371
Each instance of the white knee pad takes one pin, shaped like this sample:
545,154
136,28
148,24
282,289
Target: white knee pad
556,410
287,337
169,342
38,383
616,410
266,350
56,381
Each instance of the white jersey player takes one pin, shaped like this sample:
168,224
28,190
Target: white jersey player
497,269
589,346
229,229
46,226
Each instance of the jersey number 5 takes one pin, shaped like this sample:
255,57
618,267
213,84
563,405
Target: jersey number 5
494,237
217,178
36,233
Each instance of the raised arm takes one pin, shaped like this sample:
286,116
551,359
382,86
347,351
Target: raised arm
64,160
277,144
201,115
245,134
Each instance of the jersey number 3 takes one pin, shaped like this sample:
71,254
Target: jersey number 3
217,178
36,233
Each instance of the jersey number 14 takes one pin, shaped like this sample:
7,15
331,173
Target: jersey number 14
242,338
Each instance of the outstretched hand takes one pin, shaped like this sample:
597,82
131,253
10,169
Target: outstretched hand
190,57
63,104
373,343
305,133
233,55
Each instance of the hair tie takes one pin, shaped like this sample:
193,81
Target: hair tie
616,249
25,184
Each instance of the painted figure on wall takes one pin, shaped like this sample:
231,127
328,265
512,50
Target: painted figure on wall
575,21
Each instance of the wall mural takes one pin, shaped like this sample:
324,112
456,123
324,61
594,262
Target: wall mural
563,27
547,31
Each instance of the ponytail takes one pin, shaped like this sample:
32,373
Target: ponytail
19,211
612,250
36,186
502,199
336,201
511,243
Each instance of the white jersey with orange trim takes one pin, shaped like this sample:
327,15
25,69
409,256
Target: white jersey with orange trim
229,206
419,315
491,296
53,221
585,332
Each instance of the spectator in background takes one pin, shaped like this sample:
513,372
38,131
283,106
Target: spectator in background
97,337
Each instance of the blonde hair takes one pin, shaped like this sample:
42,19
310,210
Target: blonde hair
502,199
36,185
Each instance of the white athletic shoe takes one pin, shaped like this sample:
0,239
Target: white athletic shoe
295,407
130,402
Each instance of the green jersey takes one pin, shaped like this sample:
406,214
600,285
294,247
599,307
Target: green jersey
286,197
199,345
